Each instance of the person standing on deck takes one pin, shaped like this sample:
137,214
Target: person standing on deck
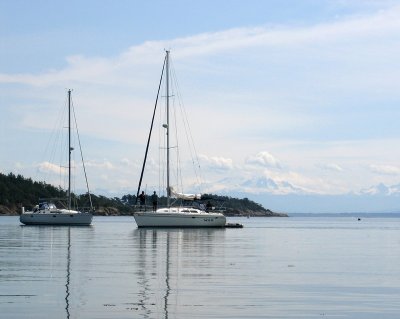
142,199
154,199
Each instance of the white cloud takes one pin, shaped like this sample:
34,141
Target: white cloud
385,169
330,167
47,167
116,89
217,163
264,159
113,70
125,161
105,164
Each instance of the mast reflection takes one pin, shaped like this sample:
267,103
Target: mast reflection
168,288
143,281
67,293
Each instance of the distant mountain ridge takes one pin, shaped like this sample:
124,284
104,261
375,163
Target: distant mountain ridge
268,184
383,190
283,196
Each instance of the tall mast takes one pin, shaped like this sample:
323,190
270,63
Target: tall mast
69,149
167,88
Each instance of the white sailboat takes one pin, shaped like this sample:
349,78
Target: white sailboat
172,215
46,213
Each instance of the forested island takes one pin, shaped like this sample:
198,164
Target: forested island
17,191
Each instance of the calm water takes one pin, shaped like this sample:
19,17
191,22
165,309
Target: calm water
297,267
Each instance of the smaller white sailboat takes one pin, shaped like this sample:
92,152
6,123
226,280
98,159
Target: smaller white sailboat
174,215
46,213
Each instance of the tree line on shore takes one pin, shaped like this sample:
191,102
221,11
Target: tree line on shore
16,192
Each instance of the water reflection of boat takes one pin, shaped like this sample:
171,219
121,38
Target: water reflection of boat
167,258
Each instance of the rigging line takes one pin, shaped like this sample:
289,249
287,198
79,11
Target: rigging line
193,151
64,160
160,158
161,153
178,161
83,162
162,142
73,165
52,138
57,139
62,141
151,129
189,136
179,167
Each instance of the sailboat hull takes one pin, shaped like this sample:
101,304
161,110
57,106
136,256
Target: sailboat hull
160,219
81,219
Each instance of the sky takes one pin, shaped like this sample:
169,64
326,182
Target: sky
283,97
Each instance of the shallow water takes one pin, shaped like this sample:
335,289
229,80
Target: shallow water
297,267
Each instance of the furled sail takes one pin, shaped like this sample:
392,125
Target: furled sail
175,194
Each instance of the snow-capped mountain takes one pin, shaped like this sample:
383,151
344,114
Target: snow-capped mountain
381,190
265,184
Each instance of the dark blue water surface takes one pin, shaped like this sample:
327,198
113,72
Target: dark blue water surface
296,267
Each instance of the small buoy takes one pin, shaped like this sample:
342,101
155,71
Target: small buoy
359,219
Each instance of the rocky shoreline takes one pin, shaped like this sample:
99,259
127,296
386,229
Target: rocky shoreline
266,213
112,211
